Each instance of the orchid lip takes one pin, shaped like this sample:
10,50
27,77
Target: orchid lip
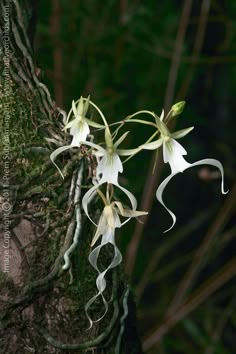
181,165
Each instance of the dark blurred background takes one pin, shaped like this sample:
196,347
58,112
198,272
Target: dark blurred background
131,55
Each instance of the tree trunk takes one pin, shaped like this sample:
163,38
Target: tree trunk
42,305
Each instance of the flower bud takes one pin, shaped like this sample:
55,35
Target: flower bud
177,108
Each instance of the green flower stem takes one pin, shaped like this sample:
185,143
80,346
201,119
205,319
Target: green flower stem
140,121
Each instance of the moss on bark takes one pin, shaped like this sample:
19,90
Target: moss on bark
45,299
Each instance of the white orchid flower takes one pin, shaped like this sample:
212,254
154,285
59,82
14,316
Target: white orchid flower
108,222
173,154
109,163
108,168
79,127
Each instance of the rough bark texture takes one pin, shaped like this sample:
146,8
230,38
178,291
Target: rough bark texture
42,306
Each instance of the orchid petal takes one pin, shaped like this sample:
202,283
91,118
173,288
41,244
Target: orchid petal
69,124
80,106
161,126
86,104
74,109
162,115
133,214
181,133
153,145
94,124
112,216
120,140
128,152
132,200
129,213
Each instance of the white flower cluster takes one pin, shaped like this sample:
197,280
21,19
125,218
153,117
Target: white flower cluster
109,165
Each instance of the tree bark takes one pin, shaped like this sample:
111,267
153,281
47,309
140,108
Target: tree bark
42,305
